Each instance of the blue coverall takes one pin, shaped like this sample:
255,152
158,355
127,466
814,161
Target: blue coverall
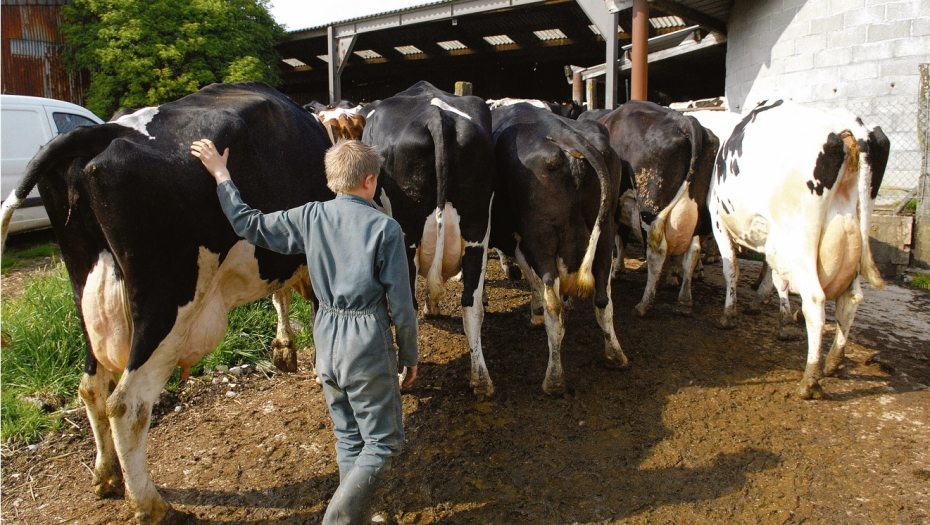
356,259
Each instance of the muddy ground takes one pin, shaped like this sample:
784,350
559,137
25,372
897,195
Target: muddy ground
702,428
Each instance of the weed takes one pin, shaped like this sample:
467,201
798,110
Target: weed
921,280
45,356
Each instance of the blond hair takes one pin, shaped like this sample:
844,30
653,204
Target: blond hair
348,163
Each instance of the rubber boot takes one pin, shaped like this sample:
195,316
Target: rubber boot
351,504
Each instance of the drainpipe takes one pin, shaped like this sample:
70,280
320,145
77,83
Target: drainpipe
640,50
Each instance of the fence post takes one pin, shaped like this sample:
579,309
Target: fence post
463,88
921,253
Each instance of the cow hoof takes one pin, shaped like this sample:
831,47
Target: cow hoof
834,368
161,513
483,390
726,323
639,310
754,309
109,489
683,309
284,358
537,320
814,391
554,388
617,363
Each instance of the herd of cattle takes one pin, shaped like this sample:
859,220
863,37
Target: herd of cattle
155,266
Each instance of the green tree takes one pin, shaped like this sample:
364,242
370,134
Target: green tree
147,52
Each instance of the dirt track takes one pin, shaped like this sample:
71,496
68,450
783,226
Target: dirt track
702,428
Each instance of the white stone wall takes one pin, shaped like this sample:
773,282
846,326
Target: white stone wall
859,54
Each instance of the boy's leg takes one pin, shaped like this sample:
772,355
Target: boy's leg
349,442
378,410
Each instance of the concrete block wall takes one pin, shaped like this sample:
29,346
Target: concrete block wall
859,54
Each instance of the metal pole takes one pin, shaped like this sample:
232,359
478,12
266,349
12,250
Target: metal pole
335,85
640,49
592,93
577,89
613,52
921,253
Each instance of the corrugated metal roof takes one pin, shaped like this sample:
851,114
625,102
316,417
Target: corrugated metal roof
374,15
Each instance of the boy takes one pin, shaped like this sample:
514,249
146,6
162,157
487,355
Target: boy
356,259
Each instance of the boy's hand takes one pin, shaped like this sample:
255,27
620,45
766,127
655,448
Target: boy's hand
215,163
411,375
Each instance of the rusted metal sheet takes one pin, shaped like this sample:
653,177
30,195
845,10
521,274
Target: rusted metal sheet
33,47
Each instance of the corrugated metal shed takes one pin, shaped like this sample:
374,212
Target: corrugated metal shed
32,52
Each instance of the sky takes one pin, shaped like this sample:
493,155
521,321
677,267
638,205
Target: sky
301,14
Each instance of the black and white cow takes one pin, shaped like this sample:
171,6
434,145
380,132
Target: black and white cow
806,204
672,157
154,263
558,184
437,182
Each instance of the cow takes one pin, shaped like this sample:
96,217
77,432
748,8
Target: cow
153,261
806,204
565,109
342,124
672,157
557,191
437,181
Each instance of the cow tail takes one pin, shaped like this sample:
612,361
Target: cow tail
442,130
693,130
871,163
585,283
86,142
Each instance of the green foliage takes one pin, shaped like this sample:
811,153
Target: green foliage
45,357
145,53
911,205
921,281
19,258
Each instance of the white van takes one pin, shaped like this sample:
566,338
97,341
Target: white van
27,123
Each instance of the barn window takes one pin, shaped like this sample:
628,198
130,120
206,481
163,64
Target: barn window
451,45
409,50
296,64
499,40
550,34
368,54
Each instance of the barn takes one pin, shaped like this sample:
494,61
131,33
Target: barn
869,57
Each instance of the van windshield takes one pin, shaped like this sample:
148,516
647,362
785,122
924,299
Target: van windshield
68,121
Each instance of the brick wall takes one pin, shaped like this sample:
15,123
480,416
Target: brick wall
859,54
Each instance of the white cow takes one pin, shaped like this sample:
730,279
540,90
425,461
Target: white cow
797,185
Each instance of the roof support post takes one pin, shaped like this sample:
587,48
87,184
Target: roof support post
607,24
640,59
339,49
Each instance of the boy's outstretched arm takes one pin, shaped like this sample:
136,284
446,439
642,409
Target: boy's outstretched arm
395,277
281,232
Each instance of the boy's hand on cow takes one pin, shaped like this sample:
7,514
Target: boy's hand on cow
206,151
408,379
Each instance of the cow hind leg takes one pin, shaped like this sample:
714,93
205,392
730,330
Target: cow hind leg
763,287
812,304
788,329
94,390
688,263
130,409
655,259
474,266
730,271
846,305
605,318
284,355
554,384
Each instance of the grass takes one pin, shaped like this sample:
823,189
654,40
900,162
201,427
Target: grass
18,258
921,281
45,356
